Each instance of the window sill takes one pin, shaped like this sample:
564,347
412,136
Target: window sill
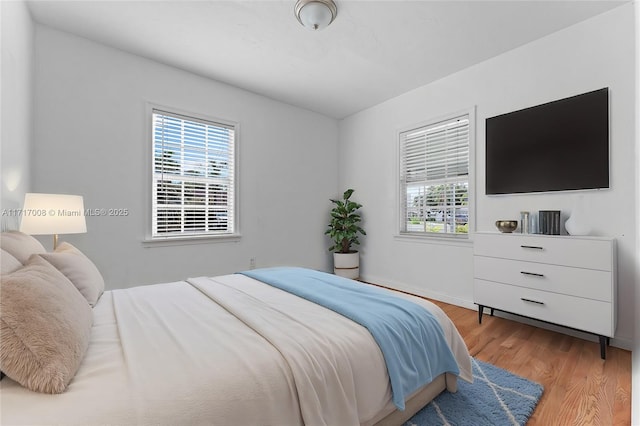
148,242
452,240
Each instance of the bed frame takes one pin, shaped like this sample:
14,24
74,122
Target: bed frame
418,400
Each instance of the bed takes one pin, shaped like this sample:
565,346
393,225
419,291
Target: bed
223,350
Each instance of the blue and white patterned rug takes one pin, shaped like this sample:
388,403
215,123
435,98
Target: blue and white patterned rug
495,398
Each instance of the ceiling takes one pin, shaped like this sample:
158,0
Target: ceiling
373,51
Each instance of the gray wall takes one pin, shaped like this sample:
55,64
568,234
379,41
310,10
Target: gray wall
91,139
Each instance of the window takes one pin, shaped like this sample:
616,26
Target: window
434,178
193,188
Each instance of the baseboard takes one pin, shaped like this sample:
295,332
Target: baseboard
446,298
621,343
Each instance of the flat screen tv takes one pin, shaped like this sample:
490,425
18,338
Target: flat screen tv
557,146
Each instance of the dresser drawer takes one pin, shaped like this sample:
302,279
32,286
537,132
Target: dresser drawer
588,283
591,253
589,315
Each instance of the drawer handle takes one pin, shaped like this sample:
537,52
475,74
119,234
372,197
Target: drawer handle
533,247
532,301
532,274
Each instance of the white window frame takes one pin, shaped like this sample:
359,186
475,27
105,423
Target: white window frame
401,228
189,237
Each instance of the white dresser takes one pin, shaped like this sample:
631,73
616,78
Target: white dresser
564,280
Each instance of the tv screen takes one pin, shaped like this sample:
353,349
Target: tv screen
561,145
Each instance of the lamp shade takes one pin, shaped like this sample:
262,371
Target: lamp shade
315,14
46,214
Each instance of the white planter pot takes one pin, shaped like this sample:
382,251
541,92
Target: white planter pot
347,265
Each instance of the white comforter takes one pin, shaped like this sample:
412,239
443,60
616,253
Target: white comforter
226,350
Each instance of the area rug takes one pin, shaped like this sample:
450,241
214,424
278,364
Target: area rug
496,397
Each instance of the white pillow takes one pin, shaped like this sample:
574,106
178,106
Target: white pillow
79,269
21,246
8,263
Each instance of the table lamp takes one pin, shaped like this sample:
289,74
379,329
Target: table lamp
53,214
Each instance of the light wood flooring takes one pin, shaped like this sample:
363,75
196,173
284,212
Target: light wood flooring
579,387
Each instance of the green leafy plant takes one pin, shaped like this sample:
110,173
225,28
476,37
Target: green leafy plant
345,224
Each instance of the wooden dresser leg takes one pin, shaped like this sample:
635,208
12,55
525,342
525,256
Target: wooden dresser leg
480,311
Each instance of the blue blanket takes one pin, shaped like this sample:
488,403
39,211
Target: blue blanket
410,337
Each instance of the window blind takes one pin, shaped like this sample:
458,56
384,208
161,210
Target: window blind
193,176
434,178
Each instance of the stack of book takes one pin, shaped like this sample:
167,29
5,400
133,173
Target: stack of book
549,222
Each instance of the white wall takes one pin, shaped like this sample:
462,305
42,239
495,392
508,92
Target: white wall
16,116
90,140
590,55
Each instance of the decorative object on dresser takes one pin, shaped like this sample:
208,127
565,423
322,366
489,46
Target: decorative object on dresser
577,223
524,222
549,221
533,223
567,281
506,226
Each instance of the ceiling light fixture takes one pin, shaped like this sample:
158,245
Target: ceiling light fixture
315,14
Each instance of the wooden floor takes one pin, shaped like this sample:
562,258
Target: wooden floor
579,387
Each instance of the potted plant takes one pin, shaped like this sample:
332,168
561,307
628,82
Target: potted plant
344,229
